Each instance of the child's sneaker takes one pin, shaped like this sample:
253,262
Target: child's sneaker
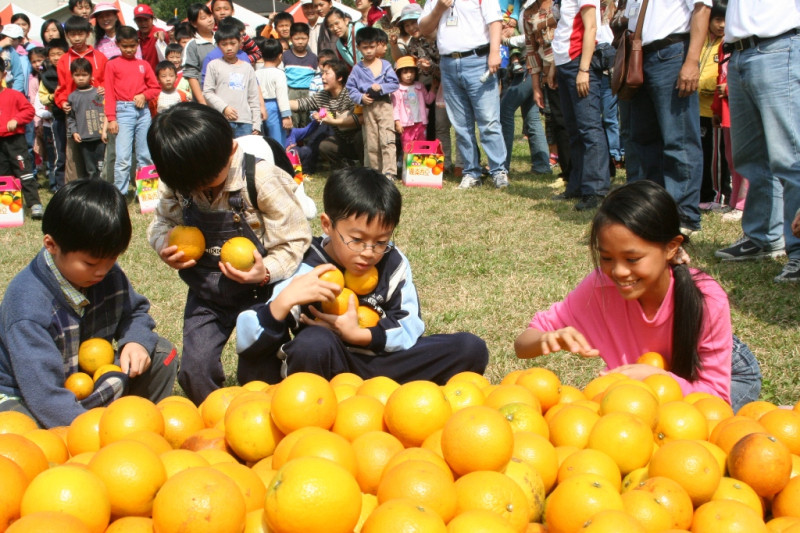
744,249
790,272
734,215
500,180
468,182
37,212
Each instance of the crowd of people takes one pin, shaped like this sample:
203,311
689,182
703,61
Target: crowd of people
720,84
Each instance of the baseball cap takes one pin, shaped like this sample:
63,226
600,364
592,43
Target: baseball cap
405,62
13,31
410,12
100,8
143,10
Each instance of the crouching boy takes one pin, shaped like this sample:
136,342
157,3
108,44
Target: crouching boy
362,209
72,291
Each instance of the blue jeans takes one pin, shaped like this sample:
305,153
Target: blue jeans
273,127
468,102
610,118
133,125
665,132
588,148
240,129
520,94
745,375
764,94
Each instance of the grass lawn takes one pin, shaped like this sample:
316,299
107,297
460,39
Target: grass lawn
484,261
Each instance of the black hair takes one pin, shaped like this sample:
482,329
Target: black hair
88,216
367,35
340,69
77,24
126,33
99,32
2,67
381,36
46,24
173,21
214,2
60,44
74,3
718,9
21,16
37,50
182,32
165,65
299,27
358,191
190,144
80,64
416,72
327,54
282,16
228,29
194,10
173,48
649,212
337,12
270,49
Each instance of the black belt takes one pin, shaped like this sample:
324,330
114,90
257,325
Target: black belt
480,51
752,42
669,40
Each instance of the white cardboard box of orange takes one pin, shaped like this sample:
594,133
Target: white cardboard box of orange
424,164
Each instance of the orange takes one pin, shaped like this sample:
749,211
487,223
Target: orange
200,500
524,417
248,482
329,446
72,490
180,421
48,522
373,451
127,415
590,462
369,502
544,384
576,500
415,410
251,431
601,383
693,397
572,425
105,369
795,465
344,392
727,515
80,384
531,484
189,240
333,276
646,510
346,378
634,479
433,442
469,377
244,396
423,483
25,453
131,524
540,454
653,359
379,387
175,398
263,469
303,399
787,501
479,521
511,377
785,425
361,284
635,400
665,387
670,496
728,431
477,438
506,394
570,394
680,420
206,439
358,415
312,494
54,448
175,461
714,410
214,406
756,409
716,451
623,437
418,454
761,461
81,459
339,305
154,441
496,492
562,452
462,394
782,524
15,481
284,447
132,473
690,465
94,353
217,456
83,434
367,316
612,521
401,516
238,251
733,489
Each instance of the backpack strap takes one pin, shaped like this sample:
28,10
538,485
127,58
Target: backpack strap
250,178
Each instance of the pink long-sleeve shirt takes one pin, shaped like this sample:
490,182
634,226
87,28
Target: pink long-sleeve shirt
124,79
619,329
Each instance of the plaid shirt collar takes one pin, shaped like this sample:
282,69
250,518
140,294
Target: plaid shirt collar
76,299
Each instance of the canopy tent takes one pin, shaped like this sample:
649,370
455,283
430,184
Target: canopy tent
297,12
125,13
250,18
36,21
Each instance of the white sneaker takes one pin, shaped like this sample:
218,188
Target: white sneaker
500,180
468,182
733,215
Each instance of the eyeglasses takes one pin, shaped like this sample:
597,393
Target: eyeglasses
357,245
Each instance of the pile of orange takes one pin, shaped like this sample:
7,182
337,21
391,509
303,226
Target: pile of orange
529,454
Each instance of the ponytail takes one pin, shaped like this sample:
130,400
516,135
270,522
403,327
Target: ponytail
687,323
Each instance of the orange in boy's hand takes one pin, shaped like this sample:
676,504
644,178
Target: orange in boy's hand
362,284
80,384
653,359
333,276
238,251
94,353
189,240
338,306
367,317
104,370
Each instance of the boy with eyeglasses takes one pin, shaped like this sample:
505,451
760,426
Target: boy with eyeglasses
361,212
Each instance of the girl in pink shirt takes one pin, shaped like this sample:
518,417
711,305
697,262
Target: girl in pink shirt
639,300
410,102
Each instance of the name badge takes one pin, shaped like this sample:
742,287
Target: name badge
632,10
452,20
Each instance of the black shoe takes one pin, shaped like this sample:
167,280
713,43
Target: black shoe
590,201
564,196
